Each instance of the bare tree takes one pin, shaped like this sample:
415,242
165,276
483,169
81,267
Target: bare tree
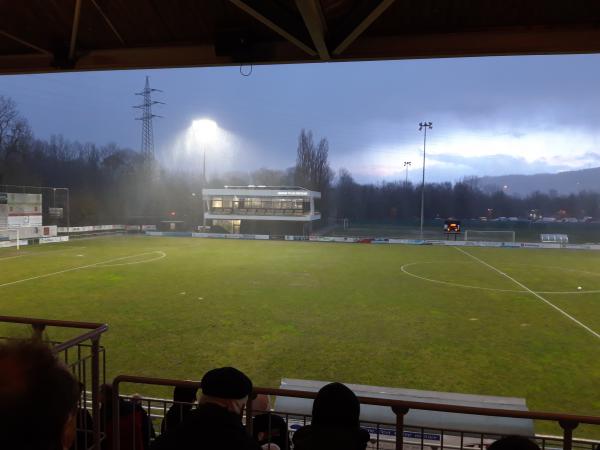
312,164
14,130
312,168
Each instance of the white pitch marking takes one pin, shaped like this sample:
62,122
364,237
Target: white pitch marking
448,283
567,315
41,253
161,255
468,286
69,270
11,257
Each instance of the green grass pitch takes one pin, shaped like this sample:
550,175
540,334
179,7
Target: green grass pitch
389,315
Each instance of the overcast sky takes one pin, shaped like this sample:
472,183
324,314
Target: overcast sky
490,116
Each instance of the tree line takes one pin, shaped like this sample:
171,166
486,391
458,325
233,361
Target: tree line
110,184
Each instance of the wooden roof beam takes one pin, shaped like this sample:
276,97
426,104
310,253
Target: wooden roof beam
362,26
25,43
108,22
262,17
315,24
75,30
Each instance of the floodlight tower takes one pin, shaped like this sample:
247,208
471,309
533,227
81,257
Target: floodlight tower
205,131
406,165
147,116
423,126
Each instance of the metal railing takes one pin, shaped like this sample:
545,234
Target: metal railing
414,437
85,358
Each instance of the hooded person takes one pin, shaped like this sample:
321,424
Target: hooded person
217,421
335,422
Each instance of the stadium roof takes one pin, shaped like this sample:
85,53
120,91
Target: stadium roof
63,35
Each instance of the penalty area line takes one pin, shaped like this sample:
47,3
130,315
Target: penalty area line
37,277
518,283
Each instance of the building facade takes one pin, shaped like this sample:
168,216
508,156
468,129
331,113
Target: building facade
261,209
20,210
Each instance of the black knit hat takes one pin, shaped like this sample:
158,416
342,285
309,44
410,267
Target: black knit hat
226,382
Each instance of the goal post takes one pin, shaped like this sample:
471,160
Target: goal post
10,237
490,235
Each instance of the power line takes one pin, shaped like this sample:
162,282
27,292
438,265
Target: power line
147,116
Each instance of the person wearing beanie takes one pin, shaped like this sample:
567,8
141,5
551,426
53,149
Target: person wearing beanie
335,422
217,421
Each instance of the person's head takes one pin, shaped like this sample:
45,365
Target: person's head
38,398
514,443
336,406
184,394
270,428
226,387
261,403
106,396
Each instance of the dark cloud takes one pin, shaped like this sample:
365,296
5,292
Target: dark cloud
359,107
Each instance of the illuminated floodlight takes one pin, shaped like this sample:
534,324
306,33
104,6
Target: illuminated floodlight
205,130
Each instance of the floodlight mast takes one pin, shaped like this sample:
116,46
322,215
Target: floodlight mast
406,165
423,126
206,129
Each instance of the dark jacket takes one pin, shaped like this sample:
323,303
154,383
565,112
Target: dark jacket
175,415
85,430
135,427
209,426
271,428
330,438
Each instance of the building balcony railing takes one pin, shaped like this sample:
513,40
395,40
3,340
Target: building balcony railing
259,211
384,435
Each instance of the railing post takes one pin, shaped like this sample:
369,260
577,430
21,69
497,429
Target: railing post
115,415
400,413
568,428
38,331
96,392
249,413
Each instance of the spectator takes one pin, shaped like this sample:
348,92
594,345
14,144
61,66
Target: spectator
85,430
271,428
261,404
335,422
135,426
217,421
38,398
514,443
184,398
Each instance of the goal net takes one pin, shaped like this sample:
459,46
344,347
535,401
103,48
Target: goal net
10,237
490,236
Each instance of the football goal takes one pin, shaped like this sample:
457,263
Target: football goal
10,237
490,235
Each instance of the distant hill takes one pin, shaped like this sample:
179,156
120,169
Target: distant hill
562,182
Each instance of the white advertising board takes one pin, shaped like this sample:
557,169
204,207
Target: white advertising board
50,240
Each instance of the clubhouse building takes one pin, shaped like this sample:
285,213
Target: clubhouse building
261,209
